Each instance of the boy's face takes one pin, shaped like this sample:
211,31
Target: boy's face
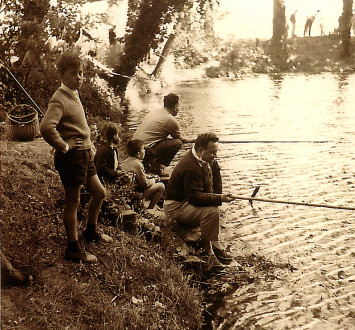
93,131
73,77
141,153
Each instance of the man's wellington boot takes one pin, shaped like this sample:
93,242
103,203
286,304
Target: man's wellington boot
215,262
222,255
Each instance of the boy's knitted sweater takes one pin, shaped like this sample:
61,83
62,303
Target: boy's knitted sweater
65,118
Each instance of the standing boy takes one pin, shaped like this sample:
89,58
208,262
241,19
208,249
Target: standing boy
65,128
153,190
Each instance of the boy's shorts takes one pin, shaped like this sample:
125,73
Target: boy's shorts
75,166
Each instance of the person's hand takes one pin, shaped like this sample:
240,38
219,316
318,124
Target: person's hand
74,142
226,198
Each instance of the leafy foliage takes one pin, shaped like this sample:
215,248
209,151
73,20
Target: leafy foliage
35,69
147,32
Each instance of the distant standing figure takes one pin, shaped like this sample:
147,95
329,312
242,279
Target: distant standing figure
293,22
308,26
321,25
112,36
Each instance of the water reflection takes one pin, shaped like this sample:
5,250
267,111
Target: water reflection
318,242
277,79
342,87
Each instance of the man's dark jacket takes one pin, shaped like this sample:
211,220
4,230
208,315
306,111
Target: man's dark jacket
189,181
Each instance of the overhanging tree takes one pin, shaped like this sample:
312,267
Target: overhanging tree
146,33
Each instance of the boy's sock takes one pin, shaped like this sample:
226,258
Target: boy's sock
74,246
90,231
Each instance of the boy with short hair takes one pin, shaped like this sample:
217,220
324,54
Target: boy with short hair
65,128
153,190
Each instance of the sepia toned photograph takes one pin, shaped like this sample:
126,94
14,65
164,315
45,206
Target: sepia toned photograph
177,164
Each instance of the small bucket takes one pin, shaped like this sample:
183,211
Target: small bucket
22,123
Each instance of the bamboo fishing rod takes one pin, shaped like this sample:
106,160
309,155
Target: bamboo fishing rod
270,141
23,89
250,199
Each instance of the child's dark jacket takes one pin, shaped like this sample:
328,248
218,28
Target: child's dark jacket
105,162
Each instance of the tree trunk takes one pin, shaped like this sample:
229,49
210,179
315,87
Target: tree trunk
345,27
166,50
278,41
138,44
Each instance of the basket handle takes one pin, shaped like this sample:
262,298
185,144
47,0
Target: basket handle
23,122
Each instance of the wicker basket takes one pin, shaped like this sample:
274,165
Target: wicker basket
22,127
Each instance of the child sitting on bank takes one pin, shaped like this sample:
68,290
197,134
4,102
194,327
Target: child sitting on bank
106,157
65,128
153,190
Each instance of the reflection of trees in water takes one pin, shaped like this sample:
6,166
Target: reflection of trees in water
342,87
277,79
340,112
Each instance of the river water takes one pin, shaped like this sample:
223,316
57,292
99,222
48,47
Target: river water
318,242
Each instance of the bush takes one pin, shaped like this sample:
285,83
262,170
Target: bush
41,82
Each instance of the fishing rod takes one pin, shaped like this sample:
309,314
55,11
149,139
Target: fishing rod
270,141
251,199
23,89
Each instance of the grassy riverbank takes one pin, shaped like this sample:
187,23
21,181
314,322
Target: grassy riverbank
319,54
304,55
136,284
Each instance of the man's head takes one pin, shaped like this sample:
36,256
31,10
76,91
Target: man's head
171,102
70,68
206,146
135,148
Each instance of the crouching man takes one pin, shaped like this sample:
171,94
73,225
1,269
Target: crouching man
194,194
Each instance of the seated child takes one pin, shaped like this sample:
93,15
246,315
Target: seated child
106,157
153,190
